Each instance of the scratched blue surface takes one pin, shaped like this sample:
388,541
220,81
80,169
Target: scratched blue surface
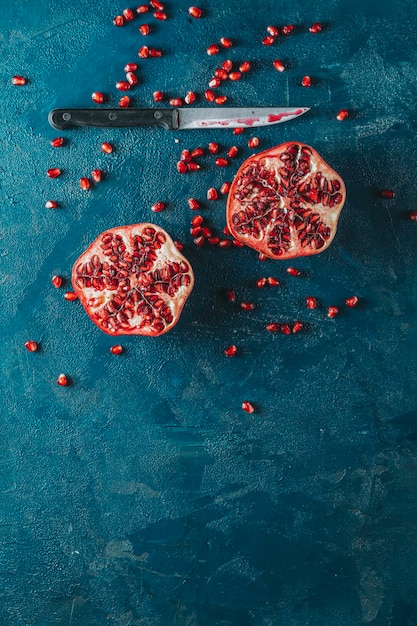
142,494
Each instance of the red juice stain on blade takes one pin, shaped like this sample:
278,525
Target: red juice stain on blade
277,118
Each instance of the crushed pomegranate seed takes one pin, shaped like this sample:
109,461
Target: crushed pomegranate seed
32,346
352,301
244,67
274,327
332,311
57,281
225,188
227,65
96,175
62,380
388,194
235,76
311,303
213,49
306,81
247,306
195,12
253,142
70,296
286,30
143,52
58,142
226,42
158,96
124,101
175,102
248,407
190,97
272,281
155,52
278,65
212,194
342,115
51,204
158,206
130,67
193,204
160,15
231,351
128,15
54,172
209,95
220,99
118,20
85,184
293,271
221,162
143,8
316,28
118,349
123,85
272,30
19,80
106,147
268,41
297,327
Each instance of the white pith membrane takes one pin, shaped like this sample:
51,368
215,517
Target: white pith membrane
133,280
283,211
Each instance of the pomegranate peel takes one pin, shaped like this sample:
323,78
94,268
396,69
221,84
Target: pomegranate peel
133,280
285,202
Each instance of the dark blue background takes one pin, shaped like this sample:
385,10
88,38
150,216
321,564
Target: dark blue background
142,493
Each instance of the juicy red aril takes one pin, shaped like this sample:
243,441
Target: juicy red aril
260,283
155,52
285,329
293,271
133,280
117,349
238,131
226,42
54,172
230,295
220,73
332,311
131,78
85,183
413,215
193,204
253,142
272,281
225,243
158,96
214,241
306,81
209,95
352,301
213,147
160,15
96,175
278,65
51,204
190,97
231,351
58,142
143,52
130,67
128,15
268,41
316,28
274,327
124,101
227,65
32,346
214,82
97,97
197,220
195,231
200,241
224,189
62,380
232,152
186,155
342,115
286,30
297,327
158,206
195,12
272,30
388,194
220,99
182,167
247,306
244,67
213,49
71,296
19,80
118,20
56,281
197,152
175,102
212,194
143,8
156,5
311,303
221,162
235,76
106,147
123,85
248,407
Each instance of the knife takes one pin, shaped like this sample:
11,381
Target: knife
174,119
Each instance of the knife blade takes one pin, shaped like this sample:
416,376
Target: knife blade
174,118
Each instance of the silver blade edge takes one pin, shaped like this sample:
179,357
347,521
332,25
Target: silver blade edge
237,117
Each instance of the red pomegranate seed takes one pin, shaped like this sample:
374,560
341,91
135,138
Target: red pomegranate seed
388,194
297,327
56,281
272,281
118,349
197,220
253,142
158,206
179,246
230,295
96,175
200,241
128,15
97,97
235,75
213,147
231,351
274,327
190,97
156,5
238,131
352,301
32,346
316,28
332,311
238,244
195,12
123,85
158,96
225,243
143,8
186,155
232,152
225,188
306,81
272,30
131,78
193,167
286,30
221,162
160,15
118,20
107,147
124,101
214,241
195,231
311,302
213,49
209,95
278,65
342,115
285,329
244,67
247,306
143,52
182,167
220,73
261,282
268,41
226,42
62,380
220,99
413,216
212,194
155,52
130,67
293,271
262,256
193,204
175,102
70,296
214,82
85,184
227,65
19,80
197,152
58,142
54,172
248,407
51,204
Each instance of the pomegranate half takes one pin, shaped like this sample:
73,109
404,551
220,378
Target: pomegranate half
132,280
285,202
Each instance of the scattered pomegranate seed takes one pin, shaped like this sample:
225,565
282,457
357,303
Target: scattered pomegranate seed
213,49
209,95
261,282
342,115
130,67
413,216
214,82
278,65
274,327
297,327
96,175
311,303
231,351
156,5
160,15
227,65
51,204
176,102
316,28
106,147
143,52
248,407
244,67
352,301
131,78
192,166
62,380
195,12
220,99
286,30
235,76
285,329
70,296
212,194
214,241
197,220
238,244
272,30
253,142
213,147
118,20
293,271
85,184
124,101
186,155
190,97
158,96
143,8
118,349
19,80
238,131
206,231
182,167
123,85
388,194
58,142
225,243
193,204
221,162
232,152
332,311
221,73
32,346
226,42
200,241
97,97
230,295
225,188
158,206
56,281
128,15
262,256
247,306
54,172
197,152
268,41
306,81
155,52
272,281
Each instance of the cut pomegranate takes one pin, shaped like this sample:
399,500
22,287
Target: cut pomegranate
285,202
62,380
32,346
248,407
132,280
97,97
195,12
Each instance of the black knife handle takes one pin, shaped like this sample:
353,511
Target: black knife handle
114,118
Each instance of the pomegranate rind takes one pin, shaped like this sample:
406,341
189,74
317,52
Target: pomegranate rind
285,202
133,280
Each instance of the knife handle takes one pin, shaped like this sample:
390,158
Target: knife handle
114,118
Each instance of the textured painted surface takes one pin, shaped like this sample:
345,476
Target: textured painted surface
142,493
